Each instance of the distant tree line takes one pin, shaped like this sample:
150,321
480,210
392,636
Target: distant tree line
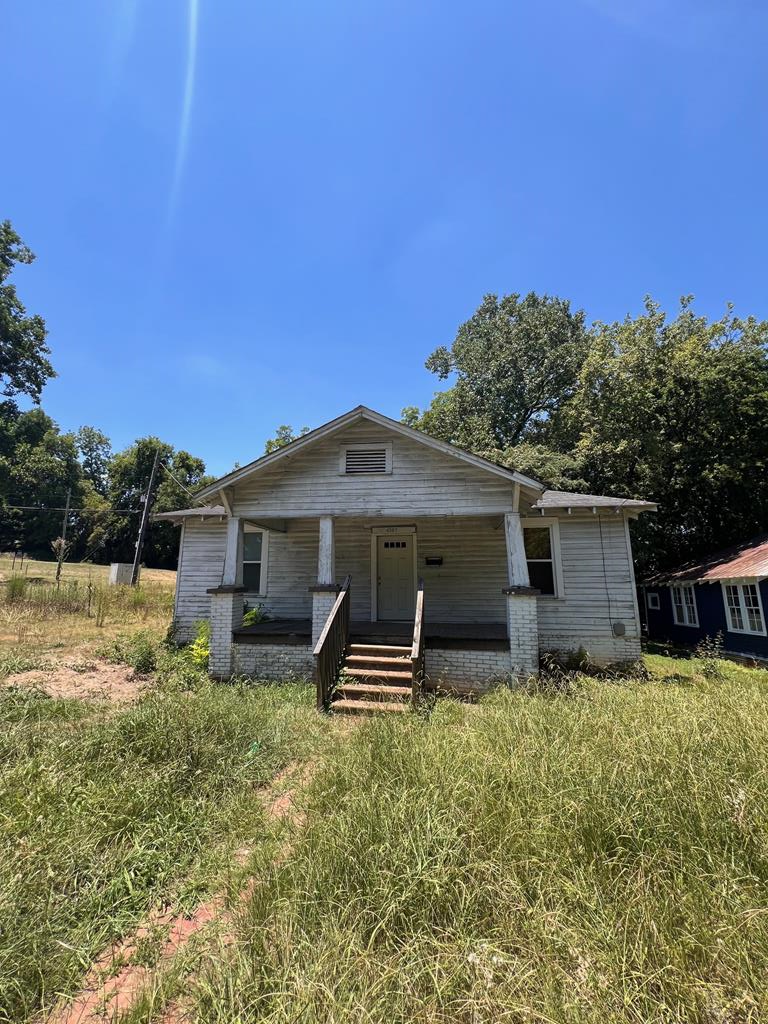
39,464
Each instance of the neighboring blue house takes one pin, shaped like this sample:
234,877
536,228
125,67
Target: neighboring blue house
726,593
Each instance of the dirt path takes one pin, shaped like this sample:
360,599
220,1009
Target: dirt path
118,977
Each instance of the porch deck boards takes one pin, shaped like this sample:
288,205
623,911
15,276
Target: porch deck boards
467,635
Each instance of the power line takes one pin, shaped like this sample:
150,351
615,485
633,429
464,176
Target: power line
63,508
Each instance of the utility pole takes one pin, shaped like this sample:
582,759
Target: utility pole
63,538
144,521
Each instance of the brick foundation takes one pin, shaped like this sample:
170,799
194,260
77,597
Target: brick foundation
273,661
479,670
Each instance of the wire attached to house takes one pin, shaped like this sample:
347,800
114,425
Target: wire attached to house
605,571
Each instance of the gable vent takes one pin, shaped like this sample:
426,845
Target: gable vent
360,459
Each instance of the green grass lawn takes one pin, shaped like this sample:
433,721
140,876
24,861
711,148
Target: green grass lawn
598,854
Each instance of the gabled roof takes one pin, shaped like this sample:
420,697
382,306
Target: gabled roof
361,412
746,560
570,499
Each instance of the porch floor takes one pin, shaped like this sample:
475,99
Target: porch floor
467,635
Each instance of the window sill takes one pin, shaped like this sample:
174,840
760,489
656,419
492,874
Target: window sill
745,632
687,625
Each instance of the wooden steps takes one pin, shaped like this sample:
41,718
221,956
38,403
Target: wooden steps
374,678
366,707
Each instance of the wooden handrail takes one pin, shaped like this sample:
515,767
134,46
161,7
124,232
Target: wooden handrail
331,646
417,647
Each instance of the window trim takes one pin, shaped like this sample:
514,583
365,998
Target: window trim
652,595
740,584
692,589
363,446
262,591
553,524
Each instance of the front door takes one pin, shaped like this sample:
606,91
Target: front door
396,585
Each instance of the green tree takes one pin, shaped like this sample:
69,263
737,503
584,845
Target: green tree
24,366
515,361
129,472
38,465
283,436
675,411
95,455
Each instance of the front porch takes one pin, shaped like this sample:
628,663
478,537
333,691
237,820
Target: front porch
441,603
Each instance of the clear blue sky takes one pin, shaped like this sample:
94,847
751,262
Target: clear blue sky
251,213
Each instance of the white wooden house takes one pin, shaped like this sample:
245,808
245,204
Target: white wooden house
395,560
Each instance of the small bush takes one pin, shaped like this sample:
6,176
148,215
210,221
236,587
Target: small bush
200,648
139,650
15,589
255,615
710,651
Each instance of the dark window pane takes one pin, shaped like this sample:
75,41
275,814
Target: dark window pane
542,576
537,542
252,577
251,547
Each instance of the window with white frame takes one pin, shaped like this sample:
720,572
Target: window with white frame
541,554
743,608
653,601
684,610
255,543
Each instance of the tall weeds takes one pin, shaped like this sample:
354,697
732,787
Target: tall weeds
599,856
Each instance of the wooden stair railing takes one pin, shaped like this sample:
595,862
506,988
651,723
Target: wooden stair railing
331,646
417,648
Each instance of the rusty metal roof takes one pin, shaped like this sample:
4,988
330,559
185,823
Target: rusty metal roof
748,559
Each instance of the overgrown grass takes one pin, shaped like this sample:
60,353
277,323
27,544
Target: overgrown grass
104,812
600,855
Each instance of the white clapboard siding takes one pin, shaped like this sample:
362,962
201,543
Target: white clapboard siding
201,565
422,482
599,590
467,587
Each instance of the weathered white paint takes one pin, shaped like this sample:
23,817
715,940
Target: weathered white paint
467,587
423,482
517,567
373,419
233,555
326,556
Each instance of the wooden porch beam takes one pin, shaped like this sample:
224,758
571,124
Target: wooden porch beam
517,566
233,555
326,554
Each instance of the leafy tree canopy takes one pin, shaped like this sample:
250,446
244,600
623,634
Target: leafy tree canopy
674,410
515,361
24,365
283,436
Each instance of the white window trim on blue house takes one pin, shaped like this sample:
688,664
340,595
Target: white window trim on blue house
687,612
743,609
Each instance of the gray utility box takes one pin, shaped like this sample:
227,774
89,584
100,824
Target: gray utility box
120,572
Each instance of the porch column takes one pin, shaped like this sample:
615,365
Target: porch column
522,608
227,602
325,591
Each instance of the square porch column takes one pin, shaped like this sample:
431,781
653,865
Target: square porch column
325,591
227,603
522,607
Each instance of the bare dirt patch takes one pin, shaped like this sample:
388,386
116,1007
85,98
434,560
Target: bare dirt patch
83,680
